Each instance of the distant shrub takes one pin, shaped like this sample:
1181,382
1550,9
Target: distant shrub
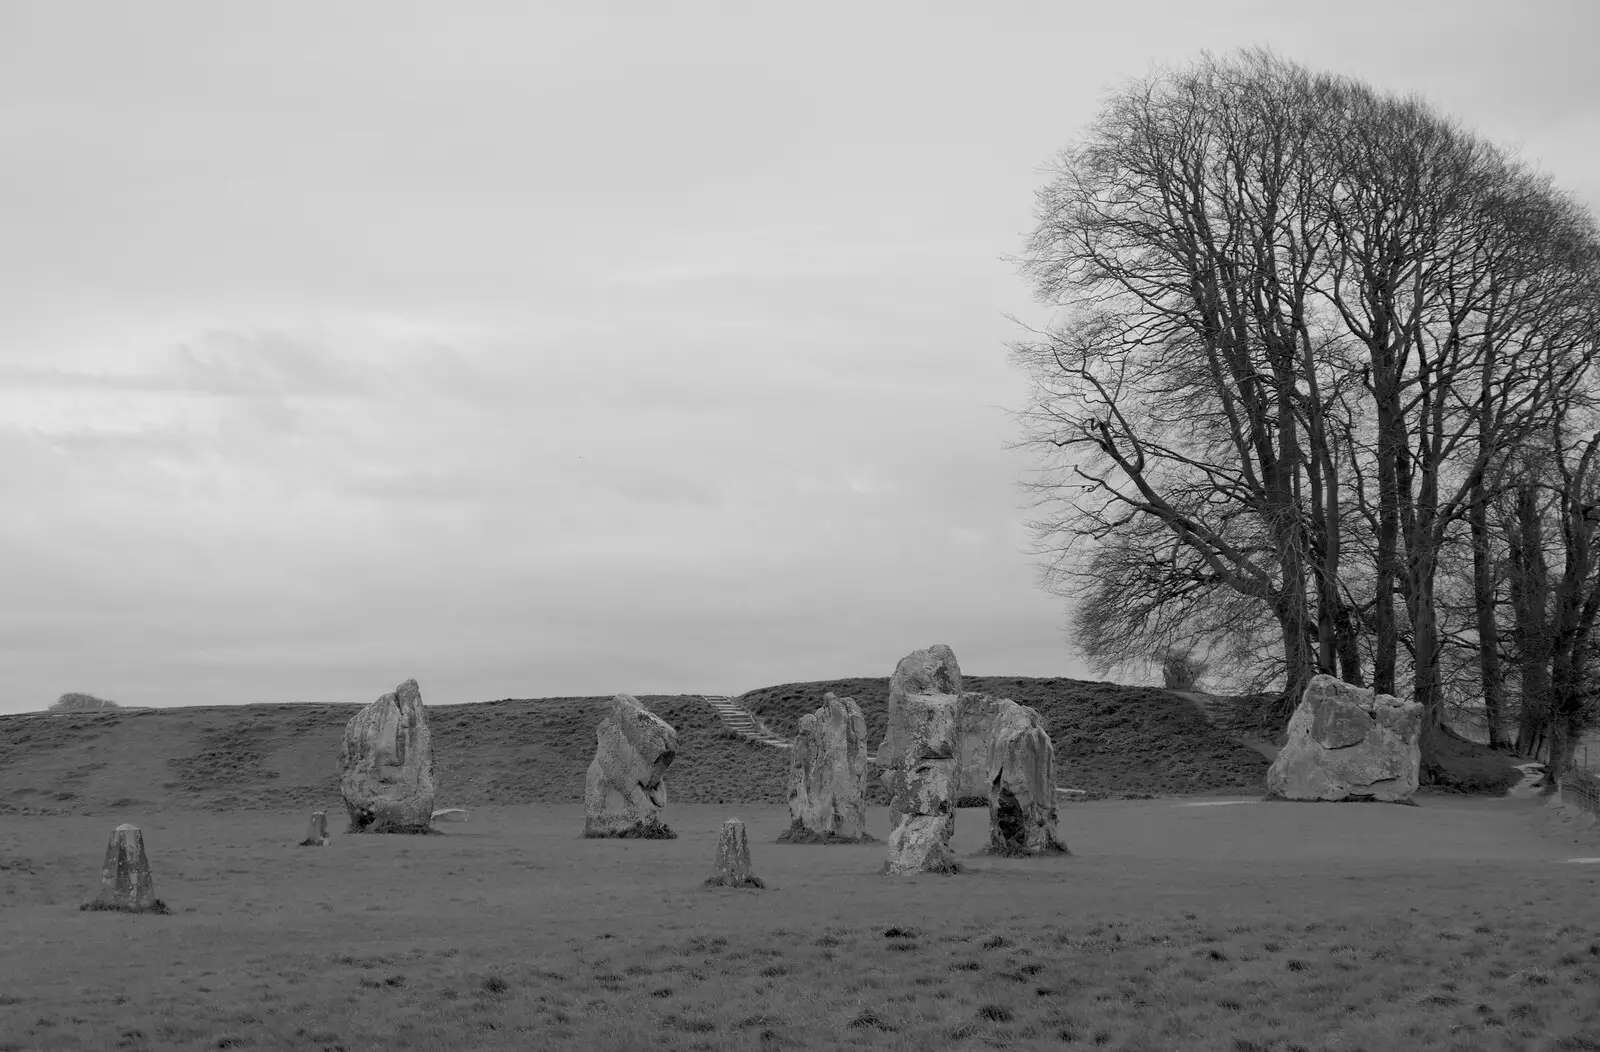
1181,670
81,703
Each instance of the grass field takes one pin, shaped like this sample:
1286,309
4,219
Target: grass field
1255,926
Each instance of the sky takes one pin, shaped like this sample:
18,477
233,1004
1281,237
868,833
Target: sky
547,349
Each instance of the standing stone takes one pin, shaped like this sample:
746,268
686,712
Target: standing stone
625,791
828,776
977,713
924,803
125,881
1347,743
387,764
317,831
930,671
1022,784
733,859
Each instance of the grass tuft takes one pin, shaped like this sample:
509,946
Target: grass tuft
867,1018
799,834
96,906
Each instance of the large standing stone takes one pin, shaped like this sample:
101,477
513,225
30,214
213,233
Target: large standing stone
930,671
316,830
828,776
125,881
1022,783
733,859
977,714
1347,743
924,802
387,764
625,790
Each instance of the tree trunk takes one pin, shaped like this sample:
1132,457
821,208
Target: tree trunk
1530,592
1297,660
1387,641
1425,676
1483,594
1349,646
1560,755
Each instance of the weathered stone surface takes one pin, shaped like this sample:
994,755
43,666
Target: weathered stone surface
450,814
316,830
387,765
920,844
1022,783
828,776
923,806
930,671
626,791
125,881
733,859
1345,743
977,713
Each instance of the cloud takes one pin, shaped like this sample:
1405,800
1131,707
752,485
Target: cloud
540,352
230,364
246,364
643,484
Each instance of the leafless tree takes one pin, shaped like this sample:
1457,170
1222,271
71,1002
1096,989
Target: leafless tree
1181,243
1291,306
73,702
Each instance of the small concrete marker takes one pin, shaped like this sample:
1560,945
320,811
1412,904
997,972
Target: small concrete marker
125,882
733,859
450,814
317,830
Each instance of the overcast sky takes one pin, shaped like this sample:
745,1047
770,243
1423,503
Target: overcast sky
534,349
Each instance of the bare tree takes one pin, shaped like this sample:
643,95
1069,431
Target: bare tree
1142,593
1180,241
1451,265
1288,302
1554,511
1181,670
73,702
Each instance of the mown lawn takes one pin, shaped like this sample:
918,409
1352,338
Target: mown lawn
1453,925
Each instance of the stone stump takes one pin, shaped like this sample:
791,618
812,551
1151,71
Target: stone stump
828,776
386,765
625,789
1022,784
924,803
317,830
125,882
733,859
1347,743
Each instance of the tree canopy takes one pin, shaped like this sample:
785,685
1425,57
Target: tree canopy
1306,335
